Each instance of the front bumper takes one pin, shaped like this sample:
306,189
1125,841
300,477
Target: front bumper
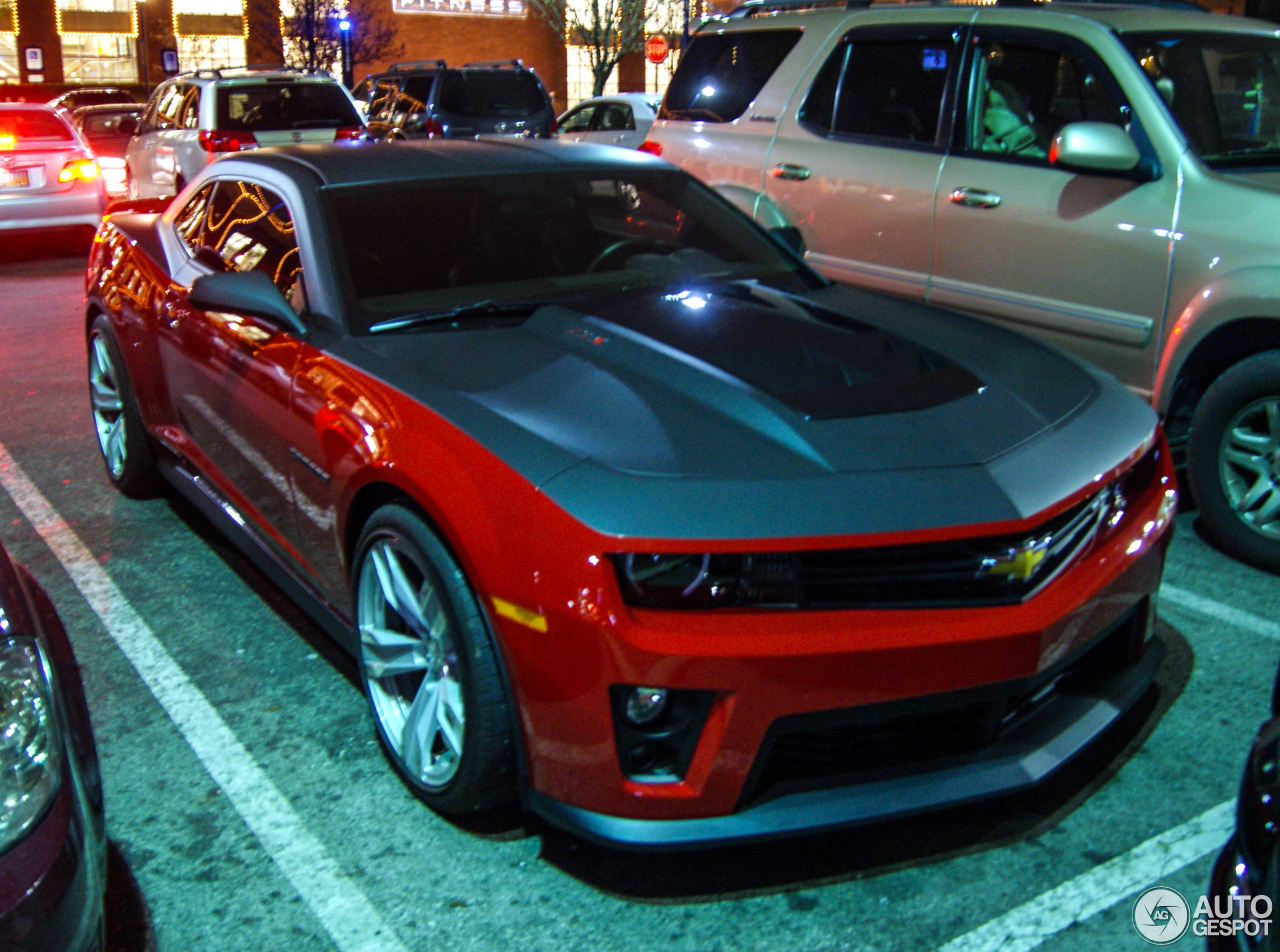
1065,722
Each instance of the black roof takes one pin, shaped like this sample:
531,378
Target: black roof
370,162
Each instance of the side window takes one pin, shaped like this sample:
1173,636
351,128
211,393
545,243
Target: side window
189,111
1022,93
383,99
167,112
579,120
190,221
615,117
251,229
721,73
889,88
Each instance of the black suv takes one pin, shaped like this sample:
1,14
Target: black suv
428,98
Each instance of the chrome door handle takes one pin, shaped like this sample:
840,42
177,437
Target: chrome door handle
794,173
974,198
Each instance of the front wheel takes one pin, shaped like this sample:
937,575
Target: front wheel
126,450
429,669
1233,460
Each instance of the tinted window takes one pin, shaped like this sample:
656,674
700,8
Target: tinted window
251,230
23,124
579,120
615,117
267,106
722,73
511,94
1021,94
544,237
1223,90
191,220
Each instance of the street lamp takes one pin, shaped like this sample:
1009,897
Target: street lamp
142,49
344,37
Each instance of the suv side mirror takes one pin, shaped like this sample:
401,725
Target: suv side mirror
1094,147
250,293
127,126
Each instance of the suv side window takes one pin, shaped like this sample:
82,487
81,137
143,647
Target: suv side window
722,73
884,87
189,110
251,230
615,116
1022,92
166,114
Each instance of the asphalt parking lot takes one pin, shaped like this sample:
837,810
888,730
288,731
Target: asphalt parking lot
250,808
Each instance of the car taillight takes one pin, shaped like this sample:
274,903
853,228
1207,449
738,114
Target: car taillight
83,169
212,141
433,128
653,148
555,127
7,142
348,132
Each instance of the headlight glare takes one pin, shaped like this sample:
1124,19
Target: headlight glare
30,754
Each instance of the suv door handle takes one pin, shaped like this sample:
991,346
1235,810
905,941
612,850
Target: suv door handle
974,198
785,170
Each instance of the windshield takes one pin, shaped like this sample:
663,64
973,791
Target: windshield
1222,88
433,246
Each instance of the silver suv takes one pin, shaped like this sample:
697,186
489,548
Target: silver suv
1103,176
193,118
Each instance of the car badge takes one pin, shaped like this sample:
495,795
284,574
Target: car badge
1018,564
296,137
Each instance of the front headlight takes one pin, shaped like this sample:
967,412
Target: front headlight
708,580
30,752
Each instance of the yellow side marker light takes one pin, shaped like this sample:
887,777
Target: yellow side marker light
523,616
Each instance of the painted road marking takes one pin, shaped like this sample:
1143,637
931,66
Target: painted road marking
1224,613
1034,922
336,901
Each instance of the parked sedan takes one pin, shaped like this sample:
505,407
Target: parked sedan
622,120
621,508
53,849
109,139
48,175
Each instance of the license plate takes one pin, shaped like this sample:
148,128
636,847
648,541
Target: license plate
13,178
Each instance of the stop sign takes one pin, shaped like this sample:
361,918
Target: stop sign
656,48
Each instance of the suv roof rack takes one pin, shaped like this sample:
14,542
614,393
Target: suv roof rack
420,64
218,72
494,64
755,7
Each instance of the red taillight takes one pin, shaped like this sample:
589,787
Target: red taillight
349,132
212,141
555,127
433,128
653,148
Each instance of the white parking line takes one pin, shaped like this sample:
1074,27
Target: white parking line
1034,922
336,901
1225,613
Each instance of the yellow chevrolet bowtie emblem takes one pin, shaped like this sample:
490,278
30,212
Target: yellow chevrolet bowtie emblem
1020,564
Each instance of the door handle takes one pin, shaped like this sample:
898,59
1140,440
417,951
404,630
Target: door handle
793,173
974,198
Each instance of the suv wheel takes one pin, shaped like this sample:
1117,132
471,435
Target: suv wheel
1233,460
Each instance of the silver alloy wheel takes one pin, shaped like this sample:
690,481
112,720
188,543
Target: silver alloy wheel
1249,465
108,407
410,654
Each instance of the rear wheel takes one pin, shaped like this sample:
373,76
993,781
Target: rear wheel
1233,461
429,669
126,451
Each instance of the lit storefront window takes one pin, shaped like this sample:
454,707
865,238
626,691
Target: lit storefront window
8,58
97,40
210,33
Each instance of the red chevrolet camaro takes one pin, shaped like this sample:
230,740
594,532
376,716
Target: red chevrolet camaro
624,511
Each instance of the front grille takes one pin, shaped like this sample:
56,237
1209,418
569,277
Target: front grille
994,570
878,741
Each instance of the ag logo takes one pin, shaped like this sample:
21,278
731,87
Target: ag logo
1161,915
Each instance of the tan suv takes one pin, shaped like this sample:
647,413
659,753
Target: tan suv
1104,176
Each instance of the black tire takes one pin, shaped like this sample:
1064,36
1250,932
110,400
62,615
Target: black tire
415,612
1233,460
126,450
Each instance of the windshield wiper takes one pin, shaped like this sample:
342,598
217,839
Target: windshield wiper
462,312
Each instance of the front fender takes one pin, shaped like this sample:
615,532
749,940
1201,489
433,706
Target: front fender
1244,294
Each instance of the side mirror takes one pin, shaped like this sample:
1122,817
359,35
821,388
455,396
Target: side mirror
127,126
790,238
1094,147
250,293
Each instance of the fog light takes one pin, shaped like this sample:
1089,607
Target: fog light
644,705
